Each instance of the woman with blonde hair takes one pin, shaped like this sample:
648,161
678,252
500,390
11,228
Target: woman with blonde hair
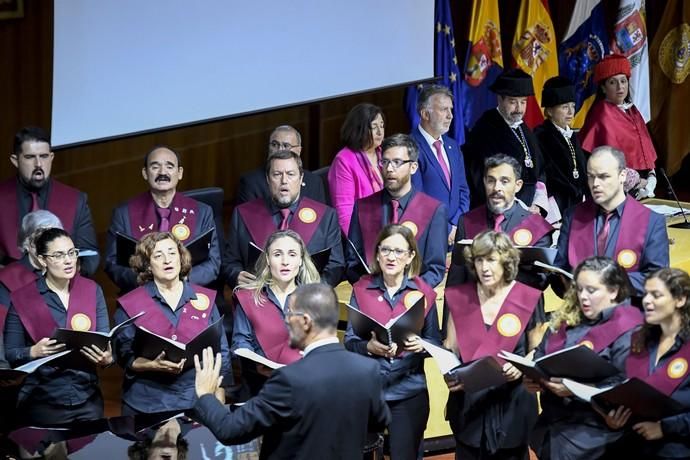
392,287
175,309
494,312
260,304
595,313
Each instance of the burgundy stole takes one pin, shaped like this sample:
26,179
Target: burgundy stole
257,218
418,213
526,233
269,327
35,314
143,218
16,275
62,201
371,301
624,318
632,229
3,315
664,378
196,314
474,340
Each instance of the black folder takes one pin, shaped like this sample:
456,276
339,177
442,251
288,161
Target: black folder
149,345
579,363
13,377
198,247
78,339
395,331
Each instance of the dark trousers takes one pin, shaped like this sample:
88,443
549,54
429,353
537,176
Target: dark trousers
465,452
33,413
408,421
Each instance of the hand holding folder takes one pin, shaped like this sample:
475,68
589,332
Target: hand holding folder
394,331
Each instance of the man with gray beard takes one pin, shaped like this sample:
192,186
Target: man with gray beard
253,222
501,213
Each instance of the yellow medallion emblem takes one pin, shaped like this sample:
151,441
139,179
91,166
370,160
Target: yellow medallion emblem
80,322
673,54
412,226
522,237
201,303
508,325
411,298
588,344
307,215
181,231
627,258
677,368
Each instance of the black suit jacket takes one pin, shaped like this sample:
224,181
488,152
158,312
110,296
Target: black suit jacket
319,407
253,185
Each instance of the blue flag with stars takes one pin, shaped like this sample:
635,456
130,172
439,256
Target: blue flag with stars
446,70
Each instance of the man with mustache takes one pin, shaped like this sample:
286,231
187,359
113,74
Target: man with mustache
612,224
34,189
253,222
441,172
162,209
503,213
501,130
399,203
253,184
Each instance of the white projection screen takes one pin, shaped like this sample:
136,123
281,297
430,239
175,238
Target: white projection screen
131,66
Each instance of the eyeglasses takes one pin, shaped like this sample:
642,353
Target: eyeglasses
289,313
60,256
383,163
282,145
385,251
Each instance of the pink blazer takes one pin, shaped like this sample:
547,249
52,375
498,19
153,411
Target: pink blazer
349,179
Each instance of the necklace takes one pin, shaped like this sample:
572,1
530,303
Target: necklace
517,132
576,173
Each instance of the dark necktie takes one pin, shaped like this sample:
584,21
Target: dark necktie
395,204
164,214
498,219
34,202
285,213
604,234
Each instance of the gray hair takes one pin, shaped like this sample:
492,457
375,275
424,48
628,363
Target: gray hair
423,100
618,155
290,129
319,301
32,225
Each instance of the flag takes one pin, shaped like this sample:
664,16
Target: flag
584,45
483,62
446,70
670,87
534,51
630,40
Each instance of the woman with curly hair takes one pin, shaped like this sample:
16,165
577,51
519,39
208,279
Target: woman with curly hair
260,304
659,356
175,309
596,314
494,312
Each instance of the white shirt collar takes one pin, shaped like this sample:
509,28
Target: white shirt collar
320,343
512,125
567,132
625,106
428,137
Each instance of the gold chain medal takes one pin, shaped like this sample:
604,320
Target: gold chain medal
307,215
677,368
80,322
627,258
202,302
522,237
181,231
508,325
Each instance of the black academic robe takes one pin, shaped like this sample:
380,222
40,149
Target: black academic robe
492,135
566,189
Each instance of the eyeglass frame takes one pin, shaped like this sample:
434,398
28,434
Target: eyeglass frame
282,145
60,256
384,163
394,251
